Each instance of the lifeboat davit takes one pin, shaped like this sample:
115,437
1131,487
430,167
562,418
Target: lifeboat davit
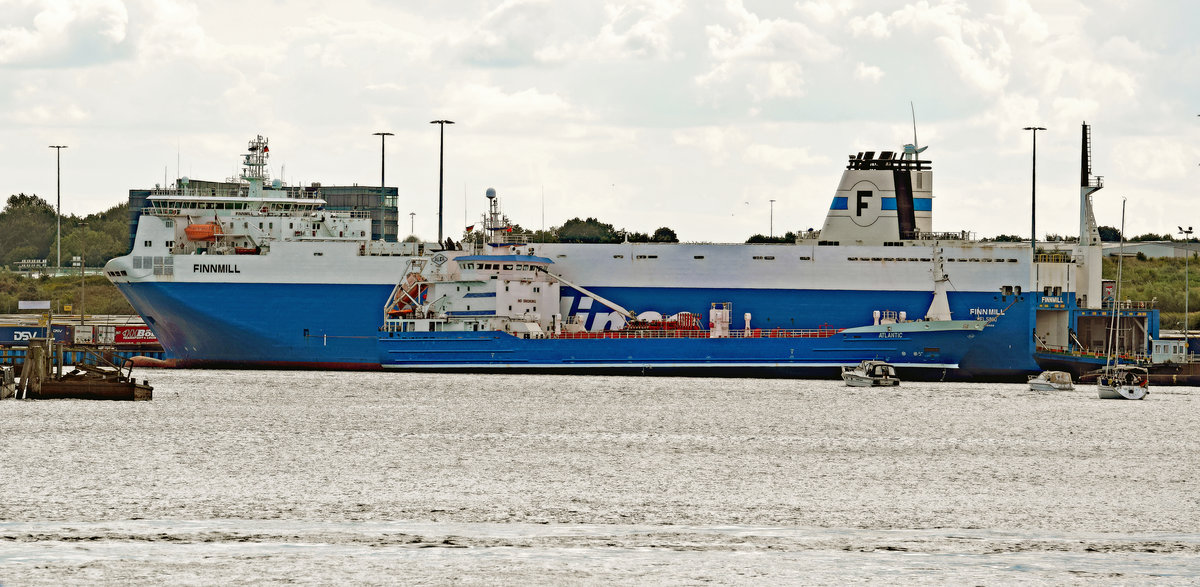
209,231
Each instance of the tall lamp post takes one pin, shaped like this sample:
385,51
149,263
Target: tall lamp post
772,218
58,207
1187,237
82,264
382,140
441,167
1033,198
412,222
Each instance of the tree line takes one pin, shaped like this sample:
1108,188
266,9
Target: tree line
590,230
1108,234
28,231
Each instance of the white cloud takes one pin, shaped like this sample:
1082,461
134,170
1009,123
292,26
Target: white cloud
765,56
717,142
64,33
636,30
825,11
976,47
868,73
686,108
873,25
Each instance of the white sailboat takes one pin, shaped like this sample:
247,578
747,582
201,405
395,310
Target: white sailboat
1121,381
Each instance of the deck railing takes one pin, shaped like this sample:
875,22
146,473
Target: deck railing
752,333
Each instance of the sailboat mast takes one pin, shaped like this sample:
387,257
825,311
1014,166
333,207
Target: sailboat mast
1117,291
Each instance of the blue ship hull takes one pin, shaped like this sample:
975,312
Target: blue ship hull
498,351
336,326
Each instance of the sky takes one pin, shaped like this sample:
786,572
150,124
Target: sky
691,115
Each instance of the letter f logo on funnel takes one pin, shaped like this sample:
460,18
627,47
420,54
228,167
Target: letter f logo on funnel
865,204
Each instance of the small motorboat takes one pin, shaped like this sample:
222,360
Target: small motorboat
870,374
1051,381
1123,382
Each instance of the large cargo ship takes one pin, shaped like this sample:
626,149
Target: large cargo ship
268,277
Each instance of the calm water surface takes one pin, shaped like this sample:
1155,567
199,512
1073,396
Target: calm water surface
305,477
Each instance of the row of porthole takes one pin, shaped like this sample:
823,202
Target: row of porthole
756,257
927,260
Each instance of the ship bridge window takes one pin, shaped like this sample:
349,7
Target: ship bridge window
508,266
828,243
698,257
806,258
618,256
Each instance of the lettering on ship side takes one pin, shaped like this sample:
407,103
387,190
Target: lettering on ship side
214,268
891,334
986,312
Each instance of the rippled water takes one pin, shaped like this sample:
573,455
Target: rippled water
275,476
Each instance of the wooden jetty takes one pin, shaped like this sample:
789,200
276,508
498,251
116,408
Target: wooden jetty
42,376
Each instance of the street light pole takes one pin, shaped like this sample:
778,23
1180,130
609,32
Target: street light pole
1187,237
58,207
772,218
382,140
1033,198
441,167
82,264
412,222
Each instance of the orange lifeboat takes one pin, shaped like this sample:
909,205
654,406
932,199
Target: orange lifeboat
209,231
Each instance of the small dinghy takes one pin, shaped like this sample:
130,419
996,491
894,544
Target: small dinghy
1051,381
870,374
